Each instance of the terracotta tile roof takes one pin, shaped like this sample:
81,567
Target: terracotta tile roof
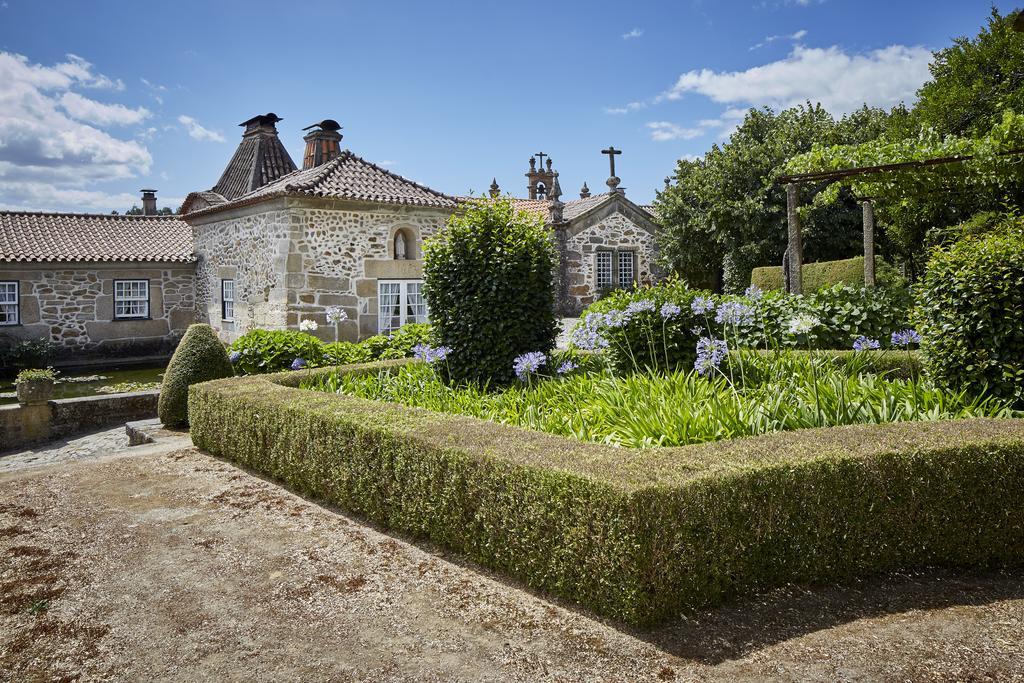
259,159
573,208
345,177
36,236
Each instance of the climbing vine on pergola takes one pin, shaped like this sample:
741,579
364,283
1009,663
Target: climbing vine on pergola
892,172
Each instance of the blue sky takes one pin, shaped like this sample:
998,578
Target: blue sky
99,99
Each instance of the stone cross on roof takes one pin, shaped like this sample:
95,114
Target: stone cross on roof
613,181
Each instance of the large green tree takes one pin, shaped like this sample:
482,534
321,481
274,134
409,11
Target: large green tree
724,214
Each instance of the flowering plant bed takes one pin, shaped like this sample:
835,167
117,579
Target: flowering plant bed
636,534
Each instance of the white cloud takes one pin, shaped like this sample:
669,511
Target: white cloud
633,34
44,142
663,131
798,35
632,106
195,130
91,111
840,81
152,86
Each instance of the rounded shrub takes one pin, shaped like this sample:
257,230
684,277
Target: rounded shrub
262,351
488,279
970,306
200,357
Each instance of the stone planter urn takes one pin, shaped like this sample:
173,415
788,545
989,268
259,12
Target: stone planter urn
33,392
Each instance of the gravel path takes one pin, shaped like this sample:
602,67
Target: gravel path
176,566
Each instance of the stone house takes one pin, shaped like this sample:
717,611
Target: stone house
272,244
96,284
276,245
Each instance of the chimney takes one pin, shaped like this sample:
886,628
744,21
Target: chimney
148,202
323,143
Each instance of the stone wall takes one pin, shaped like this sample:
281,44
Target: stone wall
615,231
25,425
72,305
292,259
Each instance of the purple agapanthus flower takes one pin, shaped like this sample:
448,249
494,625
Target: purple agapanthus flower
863,343
528,363
234,356
616,318
905,337
588,335
702,304
298,363
710,354
639,307
428,354
734,313
753,293
669,311
566,367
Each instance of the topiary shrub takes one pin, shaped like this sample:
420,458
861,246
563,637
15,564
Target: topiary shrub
827,274
970,305
488,278
199,357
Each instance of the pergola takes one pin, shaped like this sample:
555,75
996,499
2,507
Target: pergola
792,182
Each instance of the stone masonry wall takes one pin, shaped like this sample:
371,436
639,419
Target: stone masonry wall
72,305
614,232
294,262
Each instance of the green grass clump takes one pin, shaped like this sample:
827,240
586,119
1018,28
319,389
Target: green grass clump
754,394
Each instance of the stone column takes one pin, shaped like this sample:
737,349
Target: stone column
796,252
869,243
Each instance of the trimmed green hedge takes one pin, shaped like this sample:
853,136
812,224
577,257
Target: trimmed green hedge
827,273
635,535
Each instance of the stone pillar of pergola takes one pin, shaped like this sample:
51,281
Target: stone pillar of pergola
795,252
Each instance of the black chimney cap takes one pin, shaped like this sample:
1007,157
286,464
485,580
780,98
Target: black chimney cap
326,124
269,118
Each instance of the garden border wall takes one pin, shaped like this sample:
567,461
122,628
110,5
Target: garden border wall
637,535
27,425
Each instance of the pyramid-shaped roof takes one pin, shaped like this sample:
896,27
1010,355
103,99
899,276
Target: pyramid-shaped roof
259,159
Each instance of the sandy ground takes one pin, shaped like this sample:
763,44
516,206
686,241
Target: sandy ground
172,565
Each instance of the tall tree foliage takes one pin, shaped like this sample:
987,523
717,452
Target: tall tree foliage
724,214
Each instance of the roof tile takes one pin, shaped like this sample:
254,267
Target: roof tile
36,236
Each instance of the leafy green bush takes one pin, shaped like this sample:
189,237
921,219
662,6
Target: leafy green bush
827,274
261,351
346,353
199,357
639,333
638,536
31,374
405,338
30,353
488,277
969,311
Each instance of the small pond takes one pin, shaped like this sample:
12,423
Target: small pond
88,382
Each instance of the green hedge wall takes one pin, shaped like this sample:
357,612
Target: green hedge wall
638,536
826,273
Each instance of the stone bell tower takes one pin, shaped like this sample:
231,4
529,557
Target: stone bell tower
540,177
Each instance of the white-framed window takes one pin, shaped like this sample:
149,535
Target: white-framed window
227,300
10,306
131,299
399,302
626,269
604,269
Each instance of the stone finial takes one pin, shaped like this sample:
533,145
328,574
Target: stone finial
548,162
494,191
533,164
556,205
584,191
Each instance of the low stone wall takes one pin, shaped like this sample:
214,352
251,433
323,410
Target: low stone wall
26,425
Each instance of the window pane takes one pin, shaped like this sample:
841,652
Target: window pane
227,294
131,298
389,309
8,314
625,268
8,292
415,304
604,269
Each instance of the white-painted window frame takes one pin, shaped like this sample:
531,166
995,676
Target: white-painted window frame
134,294
10,303
227,300
412,307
